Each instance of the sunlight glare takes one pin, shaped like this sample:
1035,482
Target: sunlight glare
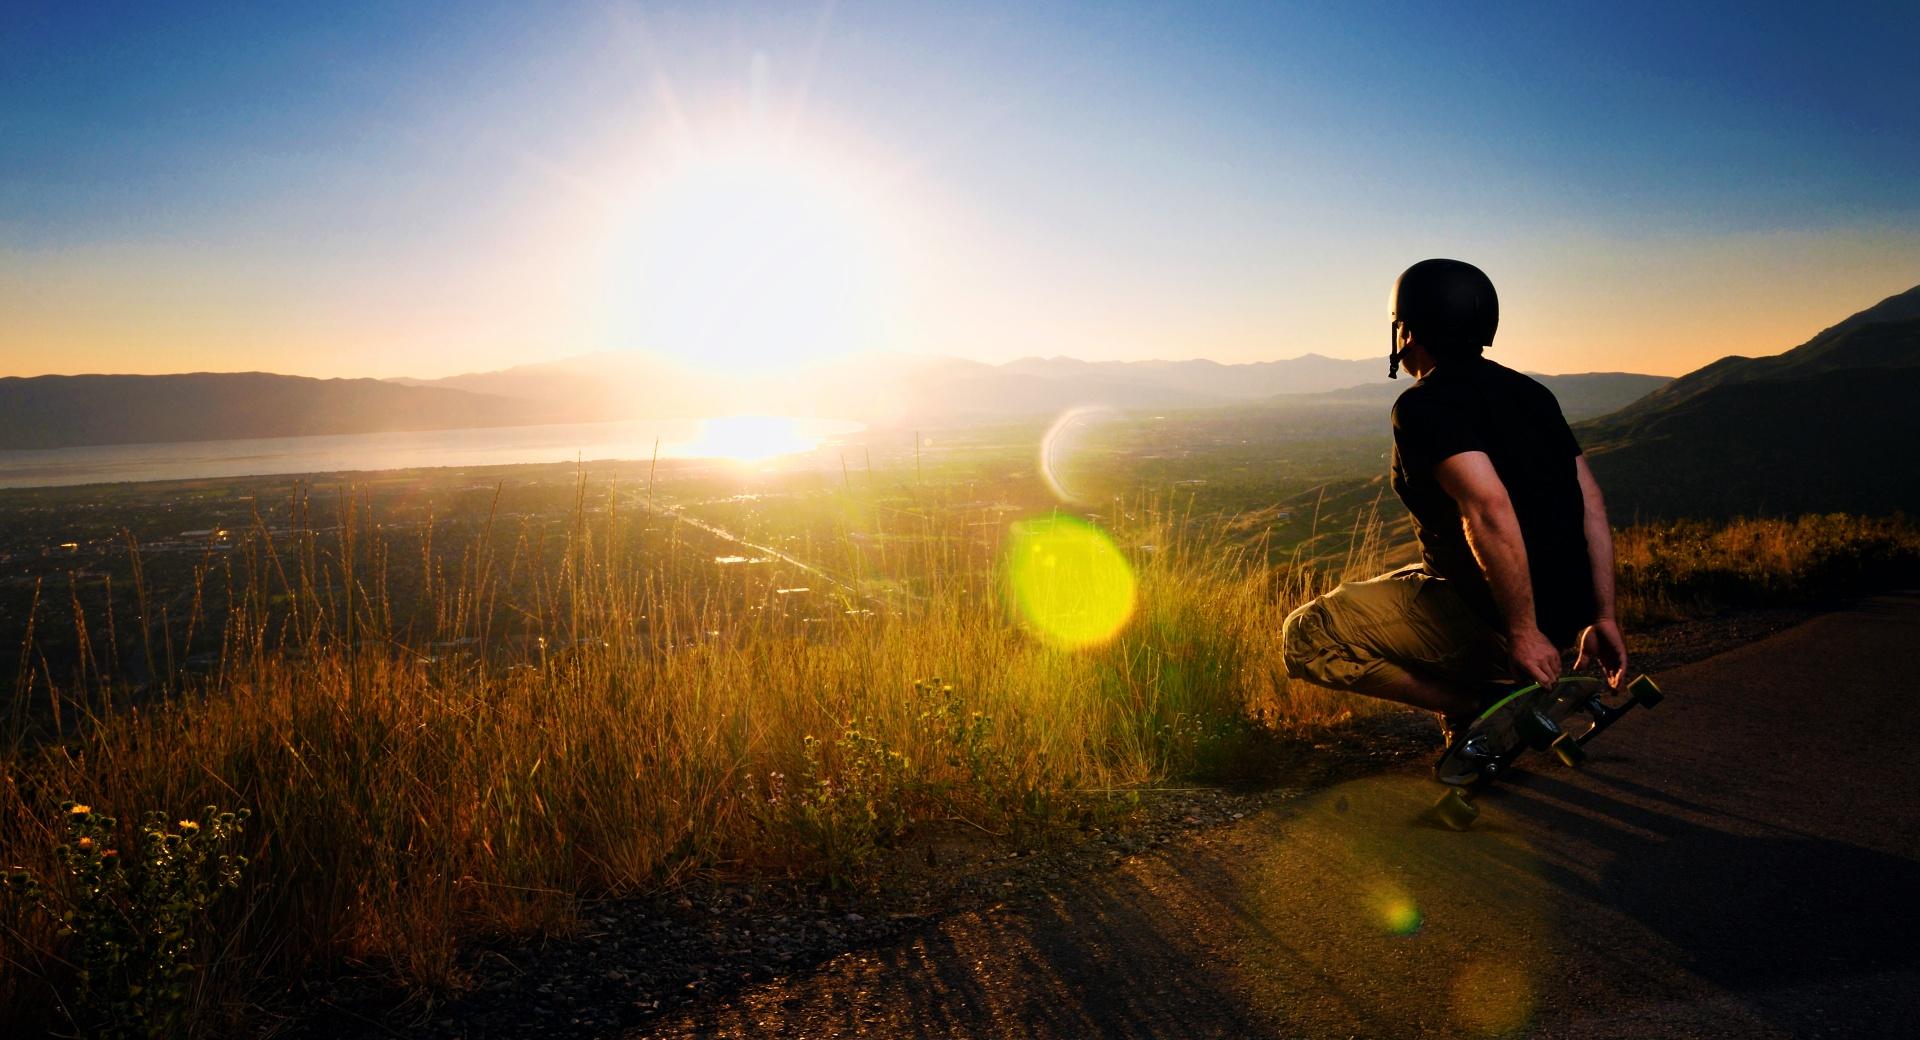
750,258
750,438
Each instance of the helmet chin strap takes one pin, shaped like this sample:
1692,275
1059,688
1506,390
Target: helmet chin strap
1393,351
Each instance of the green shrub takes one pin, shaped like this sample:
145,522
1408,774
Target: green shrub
134,924
984,773
852,799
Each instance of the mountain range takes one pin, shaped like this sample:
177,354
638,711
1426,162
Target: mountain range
73,411
67,411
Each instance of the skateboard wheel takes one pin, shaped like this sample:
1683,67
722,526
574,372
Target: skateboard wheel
1456,811
1569,750
1644,692
1537,730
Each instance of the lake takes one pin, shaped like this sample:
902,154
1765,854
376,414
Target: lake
746,437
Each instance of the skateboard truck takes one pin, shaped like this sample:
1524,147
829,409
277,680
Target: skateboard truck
1537,726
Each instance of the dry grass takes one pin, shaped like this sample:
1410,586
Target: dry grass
1692,568
403,805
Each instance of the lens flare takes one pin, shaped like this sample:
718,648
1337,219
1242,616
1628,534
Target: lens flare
1067,439
1445,932
1395,910
1067,582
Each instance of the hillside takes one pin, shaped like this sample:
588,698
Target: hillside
1817,444
1823,427
74,411
1846,345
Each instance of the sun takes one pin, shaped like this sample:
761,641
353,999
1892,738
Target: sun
751,257
751,438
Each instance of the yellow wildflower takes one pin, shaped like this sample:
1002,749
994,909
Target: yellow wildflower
189,825
81,810
85,842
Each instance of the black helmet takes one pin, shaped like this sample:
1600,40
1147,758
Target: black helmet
1449,302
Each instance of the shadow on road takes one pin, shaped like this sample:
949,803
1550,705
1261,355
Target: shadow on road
1354,914
1758,914
1109,961
1348,915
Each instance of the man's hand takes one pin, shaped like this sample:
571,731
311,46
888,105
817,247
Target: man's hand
1534,656
1602,643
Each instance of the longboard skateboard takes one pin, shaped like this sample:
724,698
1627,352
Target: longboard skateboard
1562,720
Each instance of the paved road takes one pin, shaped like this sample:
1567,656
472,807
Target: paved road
1743,861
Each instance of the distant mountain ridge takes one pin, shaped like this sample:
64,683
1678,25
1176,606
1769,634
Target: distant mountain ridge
1306,374
1826,426
590,387
66,411
76,411
616,385
932,390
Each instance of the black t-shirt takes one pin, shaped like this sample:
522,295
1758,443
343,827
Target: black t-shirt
1477,405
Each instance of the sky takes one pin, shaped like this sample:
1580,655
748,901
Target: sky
420,189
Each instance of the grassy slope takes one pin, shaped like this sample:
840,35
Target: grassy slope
407,801
404,802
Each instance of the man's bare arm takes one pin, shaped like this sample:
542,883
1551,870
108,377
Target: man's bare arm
1599,540
1493,533
1601,642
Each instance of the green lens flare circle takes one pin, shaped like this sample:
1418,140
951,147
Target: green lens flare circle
1067,582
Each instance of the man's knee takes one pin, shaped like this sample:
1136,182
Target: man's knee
1305,641
1315,650
1336,640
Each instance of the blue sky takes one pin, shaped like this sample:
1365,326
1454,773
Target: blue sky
420,189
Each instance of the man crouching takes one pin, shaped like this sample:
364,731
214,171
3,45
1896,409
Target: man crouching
1516,555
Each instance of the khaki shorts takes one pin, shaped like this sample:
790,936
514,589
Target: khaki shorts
1365,634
